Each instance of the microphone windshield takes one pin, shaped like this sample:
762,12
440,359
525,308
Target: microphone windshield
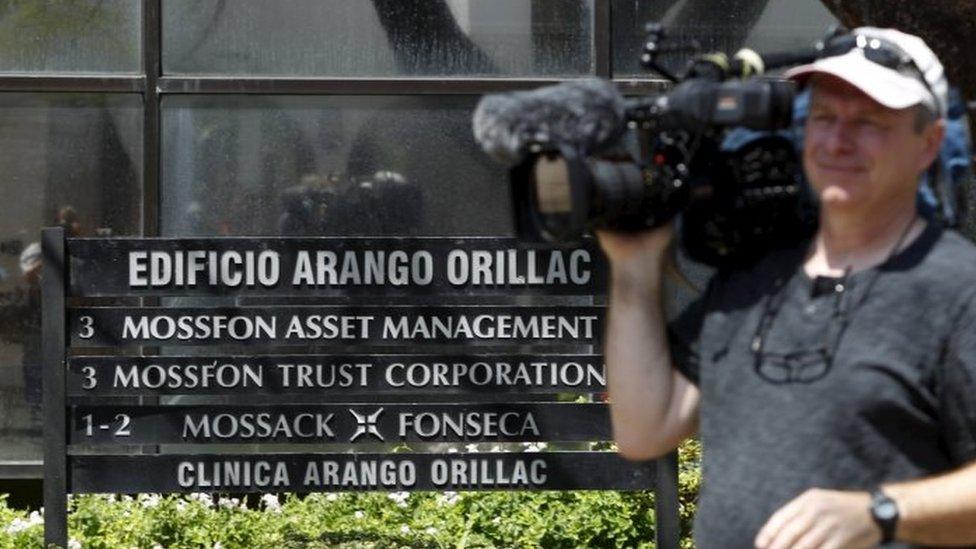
584,114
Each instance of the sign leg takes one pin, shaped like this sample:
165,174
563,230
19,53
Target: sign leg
668,531
55,428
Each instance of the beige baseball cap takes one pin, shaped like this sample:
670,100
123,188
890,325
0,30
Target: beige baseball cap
896,87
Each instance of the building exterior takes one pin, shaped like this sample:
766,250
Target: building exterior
209,117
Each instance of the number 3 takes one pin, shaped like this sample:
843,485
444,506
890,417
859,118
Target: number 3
86,327
90,381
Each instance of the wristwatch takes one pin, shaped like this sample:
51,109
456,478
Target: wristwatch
884,511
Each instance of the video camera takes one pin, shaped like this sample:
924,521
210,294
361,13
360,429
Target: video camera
716,147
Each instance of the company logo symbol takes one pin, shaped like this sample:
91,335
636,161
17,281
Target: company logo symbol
366,424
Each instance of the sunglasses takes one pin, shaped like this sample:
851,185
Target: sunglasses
879,51
804,365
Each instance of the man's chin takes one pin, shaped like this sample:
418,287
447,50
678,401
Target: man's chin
836,196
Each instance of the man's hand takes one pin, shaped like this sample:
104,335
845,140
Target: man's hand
624,246
633,256
821,518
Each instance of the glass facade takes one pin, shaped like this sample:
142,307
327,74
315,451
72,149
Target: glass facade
71,36
303,165
209,117
378,38
69,159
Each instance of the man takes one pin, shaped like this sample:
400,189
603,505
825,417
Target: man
833,385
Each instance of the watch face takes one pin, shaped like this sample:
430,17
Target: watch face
886,510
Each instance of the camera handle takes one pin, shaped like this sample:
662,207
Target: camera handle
654,45
715,66
838,40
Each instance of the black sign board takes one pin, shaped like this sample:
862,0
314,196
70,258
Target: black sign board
349,423
365,353
359,472
376,326
331,376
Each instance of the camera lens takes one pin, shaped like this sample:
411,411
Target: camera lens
619,189
551,185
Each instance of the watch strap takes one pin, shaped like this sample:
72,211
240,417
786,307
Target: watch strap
884,511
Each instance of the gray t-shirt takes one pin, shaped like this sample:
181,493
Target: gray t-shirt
897,402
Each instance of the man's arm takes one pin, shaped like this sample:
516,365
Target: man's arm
939,510
653,407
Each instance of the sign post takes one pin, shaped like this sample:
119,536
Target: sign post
55,429
379,358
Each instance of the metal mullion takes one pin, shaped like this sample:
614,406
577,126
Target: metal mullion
152,45
350,86
602,39
152,66
72,83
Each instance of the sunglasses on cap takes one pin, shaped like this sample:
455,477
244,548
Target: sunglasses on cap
880,51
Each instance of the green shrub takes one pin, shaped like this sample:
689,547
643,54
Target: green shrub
353,520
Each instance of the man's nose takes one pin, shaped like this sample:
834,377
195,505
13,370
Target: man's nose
840,138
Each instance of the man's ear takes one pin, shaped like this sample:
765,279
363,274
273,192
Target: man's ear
932,136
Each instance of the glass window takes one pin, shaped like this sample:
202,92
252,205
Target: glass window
336,165
69,159
717,25
71,36
378,37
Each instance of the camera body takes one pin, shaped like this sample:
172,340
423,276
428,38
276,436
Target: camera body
717,148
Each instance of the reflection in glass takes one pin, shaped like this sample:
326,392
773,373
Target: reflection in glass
73,36
717,25
69,160
335,165
331,166
377,37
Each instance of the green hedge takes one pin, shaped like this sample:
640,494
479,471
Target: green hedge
467,519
